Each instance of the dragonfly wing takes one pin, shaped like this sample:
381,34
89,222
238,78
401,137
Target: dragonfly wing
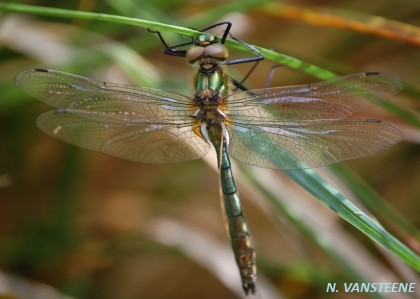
145,143
310,144
329,100
102,101
139,124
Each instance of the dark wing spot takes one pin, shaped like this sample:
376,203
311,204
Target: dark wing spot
41,70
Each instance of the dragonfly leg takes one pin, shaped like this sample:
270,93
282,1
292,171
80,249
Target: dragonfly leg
240,84
171,50
256,59
271,75
175,51
258,55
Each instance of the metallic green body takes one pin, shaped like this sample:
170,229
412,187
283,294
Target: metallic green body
241,239
214,81
211,83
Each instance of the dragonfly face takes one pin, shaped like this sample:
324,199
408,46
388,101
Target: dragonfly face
291,127
208,53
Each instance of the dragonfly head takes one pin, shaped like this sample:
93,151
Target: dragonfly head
208,52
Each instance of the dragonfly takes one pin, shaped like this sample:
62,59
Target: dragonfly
289,127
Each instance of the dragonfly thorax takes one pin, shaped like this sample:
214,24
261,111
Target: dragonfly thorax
207,99
208,103
211,88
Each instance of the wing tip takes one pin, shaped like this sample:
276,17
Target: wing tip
388,79
22,74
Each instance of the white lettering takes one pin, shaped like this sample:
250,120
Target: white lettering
372,287
331,287
347,287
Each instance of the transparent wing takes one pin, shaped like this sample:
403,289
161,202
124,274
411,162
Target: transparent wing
139,124
145,143
329,100
310,144
102,101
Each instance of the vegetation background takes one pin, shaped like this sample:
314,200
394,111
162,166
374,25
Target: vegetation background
87,225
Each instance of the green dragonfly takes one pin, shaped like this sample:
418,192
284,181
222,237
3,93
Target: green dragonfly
293,127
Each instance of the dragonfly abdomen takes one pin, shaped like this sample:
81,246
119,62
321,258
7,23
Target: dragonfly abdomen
241,239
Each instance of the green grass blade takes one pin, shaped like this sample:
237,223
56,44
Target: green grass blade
337,202
290,215
371,199
65,13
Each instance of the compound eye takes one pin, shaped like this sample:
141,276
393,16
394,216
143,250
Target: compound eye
217,51
194,53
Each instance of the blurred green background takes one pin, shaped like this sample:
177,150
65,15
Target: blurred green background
93,226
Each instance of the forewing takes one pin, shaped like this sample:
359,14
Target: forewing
329,100
145,143
102,101
310,144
